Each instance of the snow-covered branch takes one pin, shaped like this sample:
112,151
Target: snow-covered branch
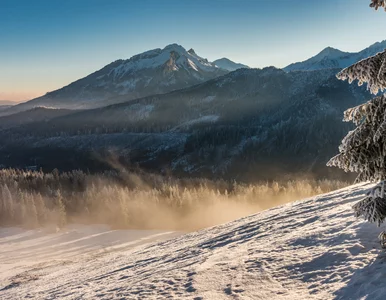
378,3
370,70
363,150
373,207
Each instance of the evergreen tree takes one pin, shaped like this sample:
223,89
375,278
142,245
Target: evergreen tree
363,150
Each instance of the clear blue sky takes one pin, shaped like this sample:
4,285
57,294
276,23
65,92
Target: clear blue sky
46,44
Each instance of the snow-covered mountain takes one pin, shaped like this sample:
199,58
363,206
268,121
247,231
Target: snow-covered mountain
152,72
229,65
334,58
310,249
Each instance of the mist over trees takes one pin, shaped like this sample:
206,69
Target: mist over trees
146,201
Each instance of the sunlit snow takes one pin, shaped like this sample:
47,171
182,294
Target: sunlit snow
310,249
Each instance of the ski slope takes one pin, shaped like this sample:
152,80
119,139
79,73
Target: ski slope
309,249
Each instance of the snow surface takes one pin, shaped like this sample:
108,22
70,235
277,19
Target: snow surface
309,249
157,57
26,253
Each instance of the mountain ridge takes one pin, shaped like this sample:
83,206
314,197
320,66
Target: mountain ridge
7,102
334,58
227,64
159,71
151,72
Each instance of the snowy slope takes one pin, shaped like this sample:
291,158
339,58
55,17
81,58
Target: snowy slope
310,249
334,58
50,249
229,65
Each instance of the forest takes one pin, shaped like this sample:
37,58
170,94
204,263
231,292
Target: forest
33,199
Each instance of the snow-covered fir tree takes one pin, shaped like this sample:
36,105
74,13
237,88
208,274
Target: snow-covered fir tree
363,150
378,3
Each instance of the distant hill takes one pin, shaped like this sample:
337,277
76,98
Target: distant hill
37,114
7,103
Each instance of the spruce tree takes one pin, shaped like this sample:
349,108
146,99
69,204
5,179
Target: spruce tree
363,150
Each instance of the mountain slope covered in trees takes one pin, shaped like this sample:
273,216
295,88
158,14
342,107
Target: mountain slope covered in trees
230,126
233,125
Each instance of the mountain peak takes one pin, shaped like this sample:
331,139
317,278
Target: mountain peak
174,47
227,64
330,51
154,71
224,59
379,44
330,58
191,51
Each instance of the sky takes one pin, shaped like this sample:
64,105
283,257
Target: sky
47,44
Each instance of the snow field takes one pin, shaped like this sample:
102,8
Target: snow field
309,249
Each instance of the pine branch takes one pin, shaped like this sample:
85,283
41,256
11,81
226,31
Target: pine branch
369,70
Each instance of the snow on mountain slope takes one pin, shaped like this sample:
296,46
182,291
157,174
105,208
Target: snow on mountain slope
334,58
174,55
152,72
309,249
229,65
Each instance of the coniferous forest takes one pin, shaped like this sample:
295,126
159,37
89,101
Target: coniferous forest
128,200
